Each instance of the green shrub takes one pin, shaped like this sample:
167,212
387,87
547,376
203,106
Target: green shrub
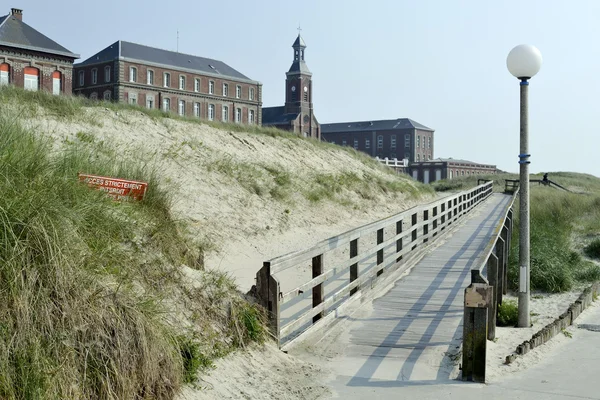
508,313
592,250
194,360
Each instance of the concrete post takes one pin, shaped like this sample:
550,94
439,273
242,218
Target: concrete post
524,321
478,296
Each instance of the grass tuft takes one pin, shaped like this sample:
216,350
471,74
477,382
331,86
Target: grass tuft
508,313
592,250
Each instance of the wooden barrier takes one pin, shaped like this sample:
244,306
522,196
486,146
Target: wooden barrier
423,224
482,324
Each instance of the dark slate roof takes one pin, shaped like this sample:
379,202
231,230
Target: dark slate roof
299,42
368,126
133,51
16,33
277,116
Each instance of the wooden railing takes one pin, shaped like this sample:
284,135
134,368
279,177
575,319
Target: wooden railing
407,233
489,282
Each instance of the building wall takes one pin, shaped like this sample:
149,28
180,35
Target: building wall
46,64
125,90
393,142
418,170
423,146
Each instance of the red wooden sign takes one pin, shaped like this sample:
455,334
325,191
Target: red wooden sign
118,189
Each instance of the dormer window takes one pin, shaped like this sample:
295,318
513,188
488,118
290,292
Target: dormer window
296,55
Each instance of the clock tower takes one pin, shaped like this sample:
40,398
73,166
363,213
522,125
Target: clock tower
298,89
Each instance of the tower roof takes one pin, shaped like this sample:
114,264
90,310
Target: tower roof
299,42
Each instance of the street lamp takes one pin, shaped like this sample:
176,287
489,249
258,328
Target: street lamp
524,61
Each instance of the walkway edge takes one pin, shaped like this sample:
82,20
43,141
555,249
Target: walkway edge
566,319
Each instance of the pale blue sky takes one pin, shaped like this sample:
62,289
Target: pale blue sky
441,63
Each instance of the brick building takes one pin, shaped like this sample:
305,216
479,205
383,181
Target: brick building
31,60
400,138
174,82
448,168
297,114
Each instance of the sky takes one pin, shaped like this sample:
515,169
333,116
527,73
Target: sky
441,63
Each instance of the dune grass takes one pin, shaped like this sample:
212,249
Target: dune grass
556,217
85,281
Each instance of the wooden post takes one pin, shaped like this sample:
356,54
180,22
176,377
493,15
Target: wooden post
318,291
500,252
399,241
414,231
477,298
353,267
505,238
425,225
493,278
267,290
379,252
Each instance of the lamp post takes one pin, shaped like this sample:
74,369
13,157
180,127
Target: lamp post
524,61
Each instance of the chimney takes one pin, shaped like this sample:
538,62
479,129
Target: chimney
16,13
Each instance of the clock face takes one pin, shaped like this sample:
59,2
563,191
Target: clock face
293,88
305,89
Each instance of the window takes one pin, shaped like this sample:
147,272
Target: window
211,87
150,77
196,85
166,104
225,89
418,158
31,79
197,110
56,82
355,143
393,156
418,141
107,74
4,74
429,142
407,156
149,102
81,78
251,94
462,172
251,117
181,107
367,144
132,74
380,142
238,92
94,76
167,79
305,96
211,112
107,95
407,140
94,96
294,96
225,113
133,98
238,115
182,82
393,144
344,142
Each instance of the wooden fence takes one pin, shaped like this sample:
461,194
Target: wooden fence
489,282
408,232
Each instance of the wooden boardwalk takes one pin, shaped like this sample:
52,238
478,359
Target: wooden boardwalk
404,339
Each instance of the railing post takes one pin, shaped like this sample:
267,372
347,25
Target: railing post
477,298
425,225
267,290
353,267
493,278
435,220
379,252
443,217
318,292
505,236
399,241
502,273
414,230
